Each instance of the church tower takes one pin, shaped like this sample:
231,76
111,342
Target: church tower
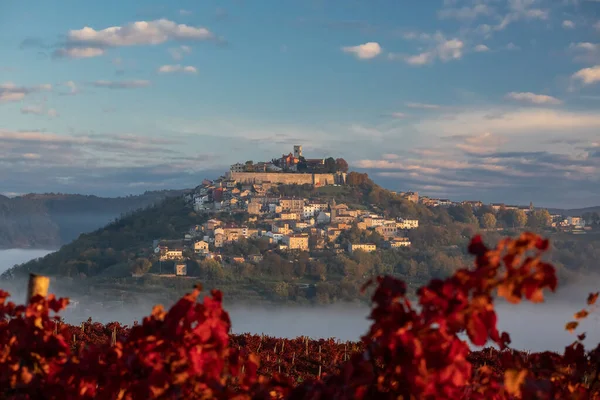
297,151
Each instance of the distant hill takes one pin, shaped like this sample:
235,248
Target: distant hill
574,211
52,219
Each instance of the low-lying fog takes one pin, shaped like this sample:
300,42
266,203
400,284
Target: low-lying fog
535,327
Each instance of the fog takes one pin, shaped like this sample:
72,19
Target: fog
534,327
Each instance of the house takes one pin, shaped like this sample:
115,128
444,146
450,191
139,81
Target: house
180,269
398,242
238,260
407,223
219,239
238,167
171,254
296,241
410,196
576,221
367,247
292,204
201,247
387,230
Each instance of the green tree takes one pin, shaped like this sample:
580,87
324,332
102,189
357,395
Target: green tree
488,221
141,266
539,219
330,165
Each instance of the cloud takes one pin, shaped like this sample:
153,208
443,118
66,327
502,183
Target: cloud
423,106
532,98
40,110
588,76
466,12
10,92
169,69
586,51
185,12
511,122
179,52
474,166
568,24
398,115
481,48
89,42
121,84
78,52
364,51
443,49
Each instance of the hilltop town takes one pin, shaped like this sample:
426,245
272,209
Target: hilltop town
310,224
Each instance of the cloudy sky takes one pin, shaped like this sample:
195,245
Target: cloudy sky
496,100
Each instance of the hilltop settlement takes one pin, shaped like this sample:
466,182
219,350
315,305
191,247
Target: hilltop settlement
294,224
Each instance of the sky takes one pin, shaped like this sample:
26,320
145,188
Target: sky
492,100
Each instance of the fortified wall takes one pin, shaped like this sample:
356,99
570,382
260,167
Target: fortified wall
288,178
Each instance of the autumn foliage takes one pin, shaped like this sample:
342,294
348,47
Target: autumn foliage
410,351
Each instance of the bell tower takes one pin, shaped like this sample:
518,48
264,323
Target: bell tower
297,151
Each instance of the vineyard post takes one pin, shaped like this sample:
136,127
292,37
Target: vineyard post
38,285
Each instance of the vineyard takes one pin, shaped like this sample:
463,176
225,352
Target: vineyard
410,351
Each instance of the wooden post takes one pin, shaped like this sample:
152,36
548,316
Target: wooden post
113,339
38,285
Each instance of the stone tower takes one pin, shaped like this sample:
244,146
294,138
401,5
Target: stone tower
297,151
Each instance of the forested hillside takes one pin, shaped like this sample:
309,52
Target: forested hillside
106,257
51,220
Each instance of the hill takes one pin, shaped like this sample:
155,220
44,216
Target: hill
53,219
102,261
575,211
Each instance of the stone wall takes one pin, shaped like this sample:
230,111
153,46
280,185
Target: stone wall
287,178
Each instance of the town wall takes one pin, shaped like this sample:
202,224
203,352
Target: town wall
287,178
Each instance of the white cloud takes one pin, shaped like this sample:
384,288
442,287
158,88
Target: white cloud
466,12
168,69
510,122
139,33
588,76
364,51
10,92
89,42
586,51
481,48
398,115
597,26
121,84
79,52
73,89
423,106
179,52
568,24
445,50
512,46
40,110
185,12
532,98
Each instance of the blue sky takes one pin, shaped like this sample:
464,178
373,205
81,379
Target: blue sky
469,99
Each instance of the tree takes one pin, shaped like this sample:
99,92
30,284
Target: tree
488,221
341,165
141,266
330,165
539,219
302,166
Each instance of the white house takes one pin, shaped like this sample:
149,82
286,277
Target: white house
277,237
